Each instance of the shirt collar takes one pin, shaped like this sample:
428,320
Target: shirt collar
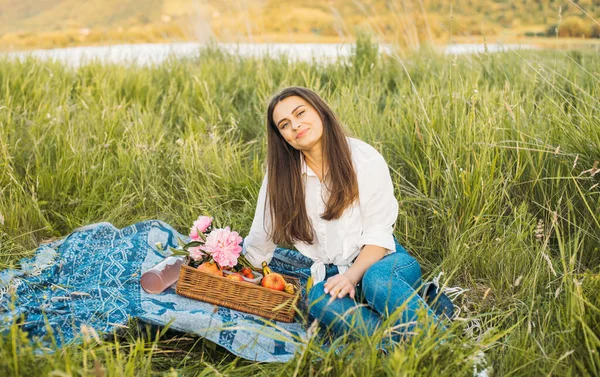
305,168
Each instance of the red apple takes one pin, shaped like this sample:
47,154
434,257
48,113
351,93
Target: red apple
273,281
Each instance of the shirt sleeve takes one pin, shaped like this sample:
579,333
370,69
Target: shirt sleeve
258,246
378,204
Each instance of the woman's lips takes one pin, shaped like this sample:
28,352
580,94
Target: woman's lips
301,133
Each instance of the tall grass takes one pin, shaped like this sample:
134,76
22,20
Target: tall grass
494,159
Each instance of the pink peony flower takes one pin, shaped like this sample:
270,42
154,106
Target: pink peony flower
196,253
200,226
223,246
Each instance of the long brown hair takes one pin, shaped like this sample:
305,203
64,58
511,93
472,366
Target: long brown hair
285,187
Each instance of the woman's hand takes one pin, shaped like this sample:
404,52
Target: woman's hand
339,286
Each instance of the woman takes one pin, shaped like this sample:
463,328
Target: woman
332,197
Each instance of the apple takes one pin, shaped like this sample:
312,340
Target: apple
273,281
210,268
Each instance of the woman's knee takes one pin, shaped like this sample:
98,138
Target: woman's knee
317,299
342,316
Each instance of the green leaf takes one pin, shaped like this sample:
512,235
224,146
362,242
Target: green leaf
193,244
177,251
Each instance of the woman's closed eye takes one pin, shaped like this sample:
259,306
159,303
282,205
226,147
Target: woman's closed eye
298,115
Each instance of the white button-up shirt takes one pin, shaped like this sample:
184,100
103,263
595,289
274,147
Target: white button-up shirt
370,221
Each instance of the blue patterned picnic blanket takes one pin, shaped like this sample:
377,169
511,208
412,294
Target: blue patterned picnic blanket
92,278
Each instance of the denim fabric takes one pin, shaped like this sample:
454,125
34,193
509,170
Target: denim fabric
292,263
386,285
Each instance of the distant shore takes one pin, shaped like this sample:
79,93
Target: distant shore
155,53
57,40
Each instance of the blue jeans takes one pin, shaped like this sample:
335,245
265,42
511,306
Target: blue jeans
385,286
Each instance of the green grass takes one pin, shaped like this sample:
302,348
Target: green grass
490,156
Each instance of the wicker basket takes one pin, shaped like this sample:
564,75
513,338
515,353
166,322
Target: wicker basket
243,296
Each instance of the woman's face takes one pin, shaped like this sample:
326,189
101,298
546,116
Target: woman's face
299,123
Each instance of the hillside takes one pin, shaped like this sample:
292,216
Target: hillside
53,23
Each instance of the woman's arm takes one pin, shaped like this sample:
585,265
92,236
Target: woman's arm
369,255
379,209
258,246
343,284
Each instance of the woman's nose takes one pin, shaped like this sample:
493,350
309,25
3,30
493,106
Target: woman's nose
295,124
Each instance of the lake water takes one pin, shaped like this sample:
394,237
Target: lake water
153,53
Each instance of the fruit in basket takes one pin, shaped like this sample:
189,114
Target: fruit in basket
210,268
247,272
273,281
289,288
235,277
266,269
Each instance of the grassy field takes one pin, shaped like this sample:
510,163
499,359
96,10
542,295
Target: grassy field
494,159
